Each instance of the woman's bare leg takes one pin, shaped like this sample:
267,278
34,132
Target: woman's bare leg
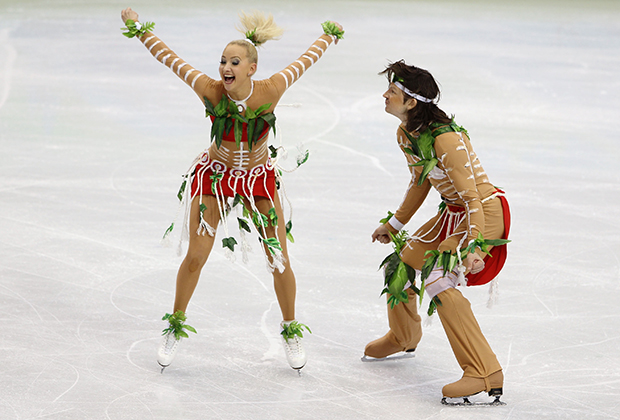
198,251
284,283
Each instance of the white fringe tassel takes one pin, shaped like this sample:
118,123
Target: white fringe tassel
493,293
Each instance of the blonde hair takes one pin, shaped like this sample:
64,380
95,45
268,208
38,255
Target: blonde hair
257,29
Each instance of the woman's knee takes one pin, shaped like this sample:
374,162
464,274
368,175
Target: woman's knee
195,261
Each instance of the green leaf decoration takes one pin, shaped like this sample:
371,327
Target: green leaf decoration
203,207
177,325
303,158
398,280
272,243
243,224
238,199
260,219
386,260
133,28
246,212
259,110
169,230
226,116
209,109
397,273
294,329
238,132
273,150
330,28
229,243
289,228
423,148
432,307
251,129
386,219
273,217
182,190
215,178
250,35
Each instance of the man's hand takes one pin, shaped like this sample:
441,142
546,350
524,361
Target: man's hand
382,234
474,263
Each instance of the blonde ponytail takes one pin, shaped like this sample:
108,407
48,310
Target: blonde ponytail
257,28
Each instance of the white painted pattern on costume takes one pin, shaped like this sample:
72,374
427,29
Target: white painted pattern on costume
154,43
285,79
163,50
307,57
196,78
302,64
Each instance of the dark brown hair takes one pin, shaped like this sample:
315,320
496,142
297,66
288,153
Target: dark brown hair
421,82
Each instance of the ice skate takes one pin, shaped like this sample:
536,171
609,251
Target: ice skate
460,392
172,337
292,341
386,348
167,350
403,337
407,354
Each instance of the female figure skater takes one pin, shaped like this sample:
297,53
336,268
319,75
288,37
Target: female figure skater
238,165
472,218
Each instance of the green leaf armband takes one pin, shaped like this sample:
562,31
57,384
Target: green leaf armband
134,28
330,28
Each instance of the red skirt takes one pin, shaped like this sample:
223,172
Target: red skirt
258,181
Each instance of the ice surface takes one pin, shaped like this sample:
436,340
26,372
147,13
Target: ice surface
94,134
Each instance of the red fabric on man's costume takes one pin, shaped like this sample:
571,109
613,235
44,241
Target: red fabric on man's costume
494,263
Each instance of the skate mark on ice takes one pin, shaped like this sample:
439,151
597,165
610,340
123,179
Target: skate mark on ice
560,349
77,379
334,111
549,267
318,137
589,408
274,343
26,301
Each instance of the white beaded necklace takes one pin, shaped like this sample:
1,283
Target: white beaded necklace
241,105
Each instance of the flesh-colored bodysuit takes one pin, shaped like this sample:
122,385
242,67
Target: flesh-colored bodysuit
474,206
249,173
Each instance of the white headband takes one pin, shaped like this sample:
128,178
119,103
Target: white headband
413,95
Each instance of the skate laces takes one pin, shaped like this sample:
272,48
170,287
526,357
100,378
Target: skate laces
176,326
293,330
170,342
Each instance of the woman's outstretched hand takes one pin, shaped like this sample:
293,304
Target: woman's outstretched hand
129,14
339,26
382,234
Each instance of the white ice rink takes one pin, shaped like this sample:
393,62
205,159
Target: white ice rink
94,135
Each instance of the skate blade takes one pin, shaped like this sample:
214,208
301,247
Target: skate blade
476,402
162,367
400,356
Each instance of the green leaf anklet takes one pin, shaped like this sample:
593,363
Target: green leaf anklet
177,325
294,329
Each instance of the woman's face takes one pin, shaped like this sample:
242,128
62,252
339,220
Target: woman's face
235,67
395,102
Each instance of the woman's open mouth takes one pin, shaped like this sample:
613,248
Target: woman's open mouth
229,79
